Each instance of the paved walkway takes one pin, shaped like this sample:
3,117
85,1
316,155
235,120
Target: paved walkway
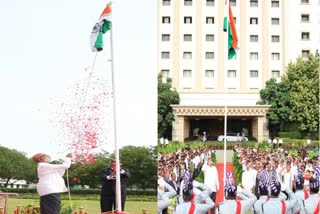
219,156
220,169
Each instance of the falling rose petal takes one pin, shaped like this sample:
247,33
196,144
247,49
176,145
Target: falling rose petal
80,118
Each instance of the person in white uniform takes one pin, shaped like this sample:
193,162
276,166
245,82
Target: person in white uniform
263,191
50,183
300,193
312,204
276,205
192,203
231,205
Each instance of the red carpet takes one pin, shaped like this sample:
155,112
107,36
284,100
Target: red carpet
219,197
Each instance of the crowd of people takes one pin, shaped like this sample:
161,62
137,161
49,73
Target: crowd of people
273,181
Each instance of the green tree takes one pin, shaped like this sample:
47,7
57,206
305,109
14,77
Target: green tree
276,95
142,165
89,174
166,97
15,165
294,100
303,79
141,162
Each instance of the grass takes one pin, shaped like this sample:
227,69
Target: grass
92,207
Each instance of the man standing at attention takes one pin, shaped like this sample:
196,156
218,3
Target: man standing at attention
174,183
249,177
211,179
260,167
108,189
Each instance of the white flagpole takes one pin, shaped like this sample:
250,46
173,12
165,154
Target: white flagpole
225,102
118,185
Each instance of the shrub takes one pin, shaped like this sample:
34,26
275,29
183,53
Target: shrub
237,169
291,135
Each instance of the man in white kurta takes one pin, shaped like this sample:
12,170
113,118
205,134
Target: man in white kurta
248,178
288,176
211,178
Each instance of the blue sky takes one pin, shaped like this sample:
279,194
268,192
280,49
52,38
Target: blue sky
44,50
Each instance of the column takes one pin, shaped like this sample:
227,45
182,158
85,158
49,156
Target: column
178,129
263,133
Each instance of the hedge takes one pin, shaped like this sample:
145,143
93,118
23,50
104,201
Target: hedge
93,197
237,167
291,135
84,191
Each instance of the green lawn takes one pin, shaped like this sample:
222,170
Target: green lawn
92,207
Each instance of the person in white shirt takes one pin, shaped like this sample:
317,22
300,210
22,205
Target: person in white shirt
196,161
211,179
161,141
309,166
166,142
204,138
274,141
50,183
288,176
308,143
248,176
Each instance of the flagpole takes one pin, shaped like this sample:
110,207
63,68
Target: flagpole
118,187
225,105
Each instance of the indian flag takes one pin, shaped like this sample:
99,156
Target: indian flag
230,27
103,25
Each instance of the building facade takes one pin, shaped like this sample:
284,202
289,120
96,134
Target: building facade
192,51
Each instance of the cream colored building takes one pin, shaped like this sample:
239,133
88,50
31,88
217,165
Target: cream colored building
192,51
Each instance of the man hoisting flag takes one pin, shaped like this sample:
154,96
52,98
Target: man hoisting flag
102,26
230,27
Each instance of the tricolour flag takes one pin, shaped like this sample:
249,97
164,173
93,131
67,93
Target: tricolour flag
230,27
103,25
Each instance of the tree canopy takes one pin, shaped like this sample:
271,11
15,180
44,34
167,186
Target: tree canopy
303,81
166,96
295,99
276,95
142,166
140,161
16,166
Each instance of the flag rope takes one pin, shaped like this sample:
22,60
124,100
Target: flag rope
80,113
68,185
87,88
81,103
